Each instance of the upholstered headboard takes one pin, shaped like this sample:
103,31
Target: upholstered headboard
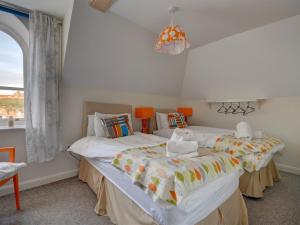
153,123
89,108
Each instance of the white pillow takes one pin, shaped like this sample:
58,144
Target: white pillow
90,128
158,121
99,128
162,121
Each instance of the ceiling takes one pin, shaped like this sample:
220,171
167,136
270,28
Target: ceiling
206,21
54,7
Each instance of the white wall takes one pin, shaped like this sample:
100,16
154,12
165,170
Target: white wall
263,62
73,99
278,117
34,174
103,53
66,27
108,52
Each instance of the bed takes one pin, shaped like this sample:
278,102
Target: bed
254,181
218,202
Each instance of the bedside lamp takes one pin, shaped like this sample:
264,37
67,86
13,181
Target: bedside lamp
186,112
144,113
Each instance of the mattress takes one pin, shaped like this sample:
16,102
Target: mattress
195,207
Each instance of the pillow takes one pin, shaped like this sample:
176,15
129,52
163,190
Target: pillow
162,121
115,127
157,116
90,128
98,126
176,120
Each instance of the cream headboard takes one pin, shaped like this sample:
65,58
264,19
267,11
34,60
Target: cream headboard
89,108
153,121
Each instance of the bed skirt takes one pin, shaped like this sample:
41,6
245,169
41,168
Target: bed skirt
123,211
253,184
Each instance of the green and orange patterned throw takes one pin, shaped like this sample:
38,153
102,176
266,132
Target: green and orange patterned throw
171,179
251,153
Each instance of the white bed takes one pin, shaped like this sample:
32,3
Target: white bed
96,156
206,136
193,209
99,152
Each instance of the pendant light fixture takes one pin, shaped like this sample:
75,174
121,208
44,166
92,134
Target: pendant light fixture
172,39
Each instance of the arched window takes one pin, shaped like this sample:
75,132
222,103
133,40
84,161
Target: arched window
11,80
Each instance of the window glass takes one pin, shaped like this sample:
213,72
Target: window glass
11,78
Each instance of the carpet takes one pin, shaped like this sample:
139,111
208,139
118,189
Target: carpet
71,202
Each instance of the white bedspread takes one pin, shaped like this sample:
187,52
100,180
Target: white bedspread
106,148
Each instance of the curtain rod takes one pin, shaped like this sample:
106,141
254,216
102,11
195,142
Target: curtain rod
17,10
14,9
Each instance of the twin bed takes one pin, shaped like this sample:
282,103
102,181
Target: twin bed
254,180
217,201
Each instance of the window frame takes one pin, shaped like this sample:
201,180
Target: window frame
14,34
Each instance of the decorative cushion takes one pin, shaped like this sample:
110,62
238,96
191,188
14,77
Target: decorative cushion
9,169
115,127
98,125
176,120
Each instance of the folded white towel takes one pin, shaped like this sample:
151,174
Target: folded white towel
182,134
243,130
175,148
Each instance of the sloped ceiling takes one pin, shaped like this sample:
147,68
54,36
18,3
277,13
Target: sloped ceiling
107,52
206,21
54,7
261,63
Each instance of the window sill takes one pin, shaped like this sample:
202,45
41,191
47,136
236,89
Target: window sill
17,127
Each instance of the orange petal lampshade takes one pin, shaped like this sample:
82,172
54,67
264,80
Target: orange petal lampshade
144,113
172,40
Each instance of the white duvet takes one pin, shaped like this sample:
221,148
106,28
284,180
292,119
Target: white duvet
106,148
206,136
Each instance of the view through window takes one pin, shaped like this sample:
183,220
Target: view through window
11,80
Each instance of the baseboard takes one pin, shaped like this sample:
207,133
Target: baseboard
288,169
28,184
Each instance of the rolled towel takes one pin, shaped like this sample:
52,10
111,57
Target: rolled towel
175,148
243,130
182,134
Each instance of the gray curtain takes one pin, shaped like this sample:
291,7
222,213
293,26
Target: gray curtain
42,111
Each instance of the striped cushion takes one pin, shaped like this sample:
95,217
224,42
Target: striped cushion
117,126
176,120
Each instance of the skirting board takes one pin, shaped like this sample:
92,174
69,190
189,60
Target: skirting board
288,169
8,189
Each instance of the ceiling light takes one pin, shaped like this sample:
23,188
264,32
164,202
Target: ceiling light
172,39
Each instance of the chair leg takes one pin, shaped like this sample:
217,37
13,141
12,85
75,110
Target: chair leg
17,193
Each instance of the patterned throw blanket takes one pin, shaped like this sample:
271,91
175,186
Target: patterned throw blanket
172,178
251,153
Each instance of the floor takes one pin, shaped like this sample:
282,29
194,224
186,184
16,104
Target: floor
71,202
